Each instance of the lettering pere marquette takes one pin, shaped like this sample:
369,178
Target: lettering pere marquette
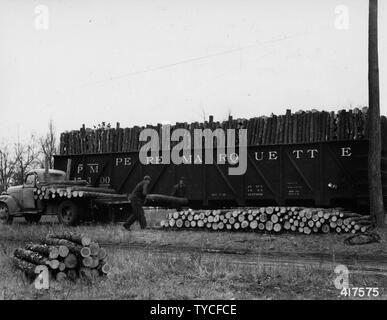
199,309
299,153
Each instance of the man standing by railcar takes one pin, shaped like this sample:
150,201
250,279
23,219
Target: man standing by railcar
180,191
137,200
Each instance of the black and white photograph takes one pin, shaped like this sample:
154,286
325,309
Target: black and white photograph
193,155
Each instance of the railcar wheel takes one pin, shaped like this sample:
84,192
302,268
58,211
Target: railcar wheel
69,213
5,216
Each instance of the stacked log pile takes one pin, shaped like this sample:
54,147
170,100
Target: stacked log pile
271,219
298,127
67,190
66,255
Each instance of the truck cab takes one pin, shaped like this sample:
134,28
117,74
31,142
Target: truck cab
20,200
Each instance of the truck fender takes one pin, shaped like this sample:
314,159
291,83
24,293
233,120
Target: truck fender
11,202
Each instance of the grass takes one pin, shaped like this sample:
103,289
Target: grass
142,274
139,275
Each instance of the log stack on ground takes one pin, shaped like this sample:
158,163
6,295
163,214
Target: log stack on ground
67,255
272,219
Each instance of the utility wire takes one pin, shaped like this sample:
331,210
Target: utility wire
166,66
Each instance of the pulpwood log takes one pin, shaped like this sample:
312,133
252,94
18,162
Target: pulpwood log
27,267
51,252
77,238
30,256
74,248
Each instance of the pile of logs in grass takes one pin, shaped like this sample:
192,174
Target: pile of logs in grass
66,255
272,219
298,127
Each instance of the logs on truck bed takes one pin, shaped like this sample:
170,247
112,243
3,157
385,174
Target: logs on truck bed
64,254
272,219
51,191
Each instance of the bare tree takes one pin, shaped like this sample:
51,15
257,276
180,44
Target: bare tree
48,146
7,168
374,155
26,158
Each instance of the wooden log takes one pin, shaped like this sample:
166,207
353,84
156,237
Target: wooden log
62,266
253,224
30,256
105,268
63,251
87,261
54,264
273,129
244,224
73,248
94,248
85,252
269,225
102,254
45,250
77,238
274,218
70,261
277,227
263,132
263,217
241,217
61,276
179,223
295,128
287,121
287,225
95,262
27,267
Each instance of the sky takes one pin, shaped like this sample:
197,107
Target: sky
147,62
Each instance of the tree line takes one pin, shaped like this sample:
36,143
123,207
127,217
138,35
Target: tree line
19,157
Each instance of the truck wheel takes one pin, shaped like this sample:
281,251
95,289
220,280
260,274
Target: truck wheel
5,217
32,218
69,213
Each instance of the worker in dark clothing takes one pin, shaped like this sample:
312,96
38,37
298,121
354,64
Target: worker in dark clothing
180,191
137,200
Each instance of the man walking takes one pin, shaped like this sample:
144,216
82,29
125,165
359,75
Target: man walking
137,199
